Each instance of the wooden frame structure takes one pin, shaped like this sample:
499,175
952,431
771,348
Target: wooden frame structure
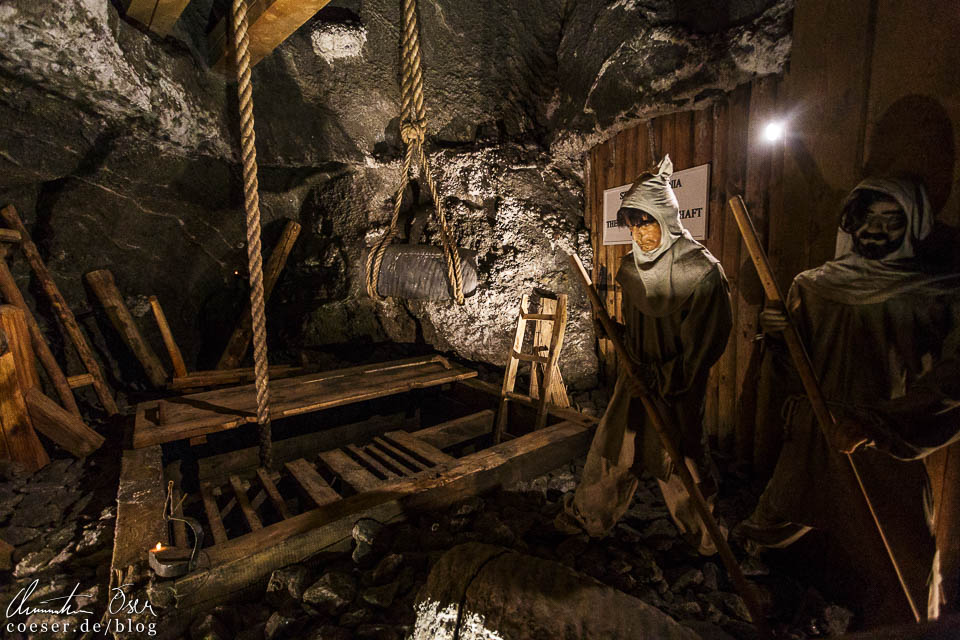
257,520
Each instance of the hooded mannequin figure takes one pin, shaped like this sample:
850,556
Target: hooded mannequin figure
882,329
677,318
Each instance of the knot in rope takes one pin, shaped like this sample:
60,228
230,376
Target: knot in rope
414,132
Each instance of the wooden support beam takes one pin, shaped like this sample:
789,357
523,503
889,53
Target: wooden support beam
62,309
311,483
351,472
249,558
271,22
103,285
213,514
240,339
12,294
140,499
273,493
9,236
454,432
370,462
19,442
248,513
423,452
176,358
157,15
61,426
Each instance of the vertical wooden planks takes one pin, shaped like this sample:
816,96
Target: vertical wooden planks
750,291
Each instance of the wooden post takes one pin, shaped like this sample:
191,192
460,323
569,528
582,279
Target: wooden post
240,339
19,442
179,367
64,428
105,288
661,422
63,311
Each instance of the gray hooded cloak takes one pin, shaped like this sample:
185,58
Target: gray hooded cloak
677,318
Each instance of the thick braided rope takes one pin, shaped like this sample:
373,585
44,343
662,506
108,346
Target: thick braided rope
413,132
251,203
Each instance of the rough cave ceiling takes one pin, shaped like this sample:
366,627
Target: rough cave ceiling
121,149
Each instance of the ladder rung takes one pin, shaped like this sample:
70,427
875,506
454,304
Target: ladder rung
79,380
538,316
531,358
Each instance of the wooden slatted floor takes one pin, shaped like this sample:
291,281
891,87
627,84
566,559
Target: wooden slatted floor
240,506
200,414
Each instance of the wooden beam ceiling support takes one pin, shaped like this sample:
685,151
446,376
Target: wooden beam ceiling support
157,15
271,22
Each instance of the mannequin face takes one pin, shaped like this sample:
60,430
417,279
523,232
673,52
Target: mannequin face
644,229
882,231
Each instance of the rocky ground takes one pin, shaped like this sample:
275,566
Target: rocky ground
61,521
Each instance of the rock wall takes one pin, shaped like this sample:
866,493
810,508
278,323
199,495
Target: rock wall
119,150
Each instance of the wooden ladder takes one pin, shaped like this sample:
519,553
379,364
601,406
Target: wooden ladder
544,373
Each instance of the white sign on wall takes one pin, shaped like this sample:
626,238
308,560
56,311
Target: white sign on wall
692,187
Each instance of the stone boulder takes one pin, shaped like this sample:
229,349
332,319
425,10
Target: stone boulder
478,591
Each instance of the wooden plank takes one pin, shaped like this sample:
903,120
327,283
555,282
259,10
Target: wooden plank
20,442
458,431
69,322
213,514
217,468
13,323
271,22
217,377
394,455
371,462
176,358
423,452
253,520
273,493
140,498
9,236
351,472
249,558
12,294
61,426
556,343
543,331
103,285
212,411
310,481
240,338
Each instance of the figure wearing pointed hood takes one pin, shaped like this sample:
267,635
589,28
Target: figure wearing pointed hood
677,318
883,333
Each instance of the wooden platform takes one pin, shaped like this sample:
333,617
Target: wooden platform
213,411
274,519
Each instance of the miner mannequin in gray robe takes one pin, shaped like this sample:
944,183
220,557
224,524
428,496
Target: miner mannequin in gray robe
677,318
883,331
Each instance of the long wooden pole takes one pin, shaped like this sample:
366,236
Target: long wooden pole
801,360
664,426
62,309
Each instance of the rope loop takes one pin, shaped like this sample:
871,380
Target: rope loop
413,132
